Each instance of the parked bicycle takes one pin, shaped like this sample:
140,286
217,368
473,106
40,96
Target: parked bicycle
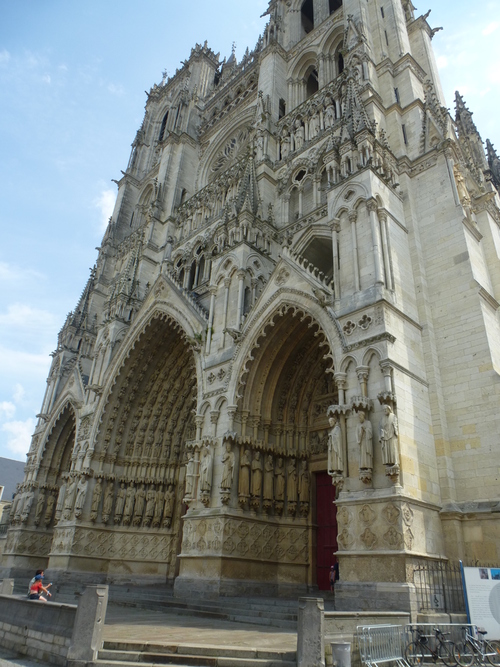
420,649
478,649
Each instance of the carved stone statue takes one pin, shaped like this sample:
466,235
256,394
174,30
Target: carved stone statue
128,510
279,487
291,482
190,476
49,510
389,437
364,438
169,506
140,499
69,499
96,498
227,461
60,500
107,503
81,493
206,469
304,483
335,453
268,478
244,480
256,475
120,503
28,502
159,499
39,507
150,505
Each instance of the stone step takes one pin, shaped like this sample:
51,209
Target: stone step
118,654
201,649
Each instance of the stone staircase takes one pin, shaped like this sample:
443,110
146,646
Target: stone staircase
130,654
274,612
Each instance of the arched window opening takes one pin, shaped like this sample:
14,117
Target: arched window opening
192,273
163,127
247,301
201,271
334,5
307,16
340,63
282,108
324,186
183,196
312,84
293,206
181,277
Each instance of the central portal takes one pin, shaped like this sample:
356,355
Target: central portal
326,532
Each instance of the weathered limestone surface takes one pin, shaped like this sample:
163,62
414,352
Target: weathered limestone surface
301,275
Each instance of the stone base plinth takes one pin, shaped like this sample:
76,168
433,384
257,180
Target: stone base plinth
373,596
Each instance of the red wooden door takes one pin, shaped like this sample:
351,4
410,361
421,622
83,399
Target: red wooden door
326,520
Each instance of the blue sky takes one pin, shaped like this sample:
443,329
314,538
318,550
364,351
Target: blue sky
72,82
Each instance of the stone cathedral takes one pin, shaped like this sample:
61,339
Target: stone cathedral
288,351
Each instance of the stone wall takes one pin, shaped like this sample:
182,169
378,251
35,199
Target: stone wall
41,631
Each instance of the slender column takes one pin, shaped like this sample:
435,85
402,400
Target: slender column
353,216
335,248
213,291
196,274
340,380
227,283
300,202
384,225
286,208
363,372
372,207
199,420
244,418
241,293
254,284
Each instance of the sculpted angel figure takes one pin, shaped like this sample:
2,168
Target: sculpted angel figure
291,486
268,478
244,480
279,473
81,492
206,469
120,503
364,438
256,474
335,454
227,461
304,483
389,437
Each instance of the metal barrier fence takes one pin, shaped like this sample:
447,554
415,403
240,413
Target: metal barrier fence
379,644
439,587
382,643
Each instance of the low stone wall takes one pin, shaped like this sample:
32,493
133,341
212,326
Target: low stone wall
59,634
340,626
40,630
317,630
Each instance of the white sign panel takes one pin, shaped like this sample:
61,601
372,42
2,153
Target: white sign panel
482,585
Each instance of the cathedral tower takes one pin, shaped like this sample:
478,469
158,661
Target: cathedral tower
288,350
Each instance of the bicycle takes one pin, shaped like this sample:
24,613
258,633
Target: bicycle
476,649
419,649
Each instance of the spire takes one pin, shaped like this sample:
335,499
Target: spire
469,137
80,315
248,191
463,117
493,163
354,116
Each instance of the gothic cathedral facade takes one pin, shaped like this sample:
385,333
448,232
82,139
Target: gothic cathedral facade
288,351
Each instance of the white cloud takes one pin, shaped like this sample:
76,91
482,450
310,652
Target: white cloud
22,315
19,435
442,62
105,203
19,393
10,273
46,78
4,57
491,27
7,409
116,89
24,364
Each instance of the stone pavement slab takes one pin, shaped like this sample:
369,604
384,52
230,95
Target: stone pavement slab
126,624
9,659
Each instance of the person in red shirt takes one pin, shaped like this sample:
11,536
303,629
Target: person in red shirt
37,588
